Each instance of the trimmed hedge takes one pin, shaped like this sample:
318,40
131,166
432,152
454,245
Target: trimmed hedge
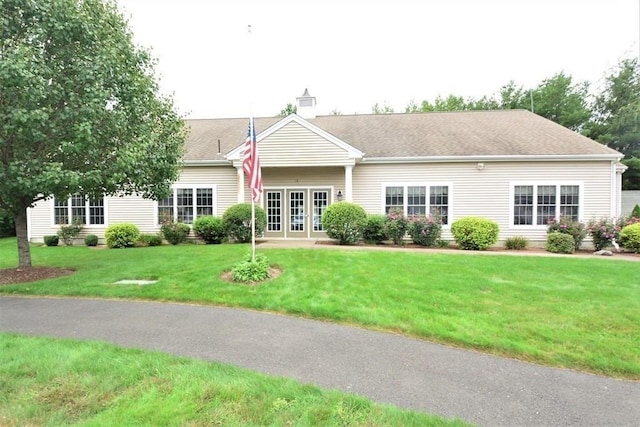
344,221
51,240
630,237
475,233
373,229
91,240
124,235
210,229
236,221
560,243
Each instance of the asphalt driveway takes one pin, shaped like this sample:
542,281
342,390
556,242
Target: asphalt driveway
388,368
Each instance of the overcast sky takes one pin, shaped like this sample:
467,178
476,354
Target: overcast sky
352,54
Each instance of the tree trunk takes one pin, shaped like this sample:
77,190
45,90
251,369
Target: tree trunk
24,251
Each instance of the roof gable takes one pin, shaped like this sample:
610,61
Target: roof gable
295,141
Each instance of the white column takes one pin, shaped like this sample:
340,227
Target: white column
348,183
240,172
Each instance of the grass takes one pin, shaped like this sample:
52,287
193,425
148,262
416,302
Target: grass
559,311
62,382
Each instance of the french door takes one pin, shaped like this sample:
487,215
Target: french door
296,213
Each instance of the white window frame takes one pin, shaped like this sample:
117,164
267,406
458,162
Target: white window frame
427,185
194,188
87,208
535,185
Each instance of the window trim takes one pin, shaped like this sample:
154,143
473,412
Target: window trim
535,184
194,188
428,185
87,207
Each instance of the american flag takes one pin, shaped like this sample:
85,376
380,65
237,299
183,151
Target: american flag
251,163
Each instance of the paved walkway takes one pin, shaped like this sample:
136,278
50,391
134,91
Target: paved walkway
415,374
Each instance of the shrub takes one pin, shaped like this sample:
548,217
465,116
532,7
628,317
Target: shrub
69,232
516,243
475,233
175,232
124,235
236,222
250,271
209,229
424,230
442,243
149,240
344,221
603,232
568,226
7,224
630,237
560,243
635,213
51,240
373,229
91,240
396,225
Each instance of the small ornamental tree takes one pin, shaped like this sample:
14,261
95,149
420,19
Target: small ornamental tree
424,230
344,221
80,110
603,232
396,225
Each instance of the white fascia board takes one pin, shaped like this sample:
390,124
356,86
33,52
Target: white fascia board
353,153
206,163
493,158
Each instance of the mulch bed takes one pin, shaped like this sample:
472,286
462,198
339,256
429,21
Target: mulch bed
9,276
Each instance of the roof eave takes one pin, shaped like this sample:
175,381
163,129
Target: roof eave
493,158
206,163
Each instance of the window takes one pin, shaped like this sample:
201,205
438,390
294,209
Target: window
78,209
394,198
185,204
439,202
539,204
417,202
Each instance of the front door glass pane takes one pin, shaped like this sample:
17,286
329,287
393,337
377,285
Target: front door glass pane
274,211
296,211
320,202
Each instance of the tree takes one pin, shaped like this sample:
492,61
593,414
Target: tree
80,111
563,102
631,177
288,109
382,109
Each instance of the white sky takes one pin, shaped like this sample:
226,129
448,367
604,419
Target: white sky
351,54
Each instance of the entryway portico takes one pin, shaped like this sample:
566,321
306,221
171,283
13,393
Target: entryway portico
304,170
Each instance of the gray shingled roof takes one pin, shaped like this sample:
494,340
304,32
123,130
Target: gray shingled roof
468,133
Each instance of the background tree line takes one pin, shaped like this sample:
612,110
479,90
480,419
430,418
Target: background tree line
611,117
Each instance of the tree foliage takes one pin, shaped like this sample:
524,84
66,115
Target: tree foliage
80,111
288,109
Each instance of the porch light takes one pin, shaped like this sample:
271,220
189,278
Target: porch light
339,195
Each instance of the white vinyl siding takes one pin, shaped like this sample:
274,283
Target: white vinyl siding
488,192
296,146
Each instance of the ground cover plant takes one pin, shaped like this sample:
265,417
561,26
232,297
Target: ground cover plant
581,313
61,382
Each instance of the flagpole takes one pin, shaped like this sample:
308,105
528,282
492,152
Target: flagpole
252,130
253,203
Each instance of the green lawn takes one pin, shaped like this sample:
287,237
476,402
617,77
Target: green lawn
559,311
62,382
